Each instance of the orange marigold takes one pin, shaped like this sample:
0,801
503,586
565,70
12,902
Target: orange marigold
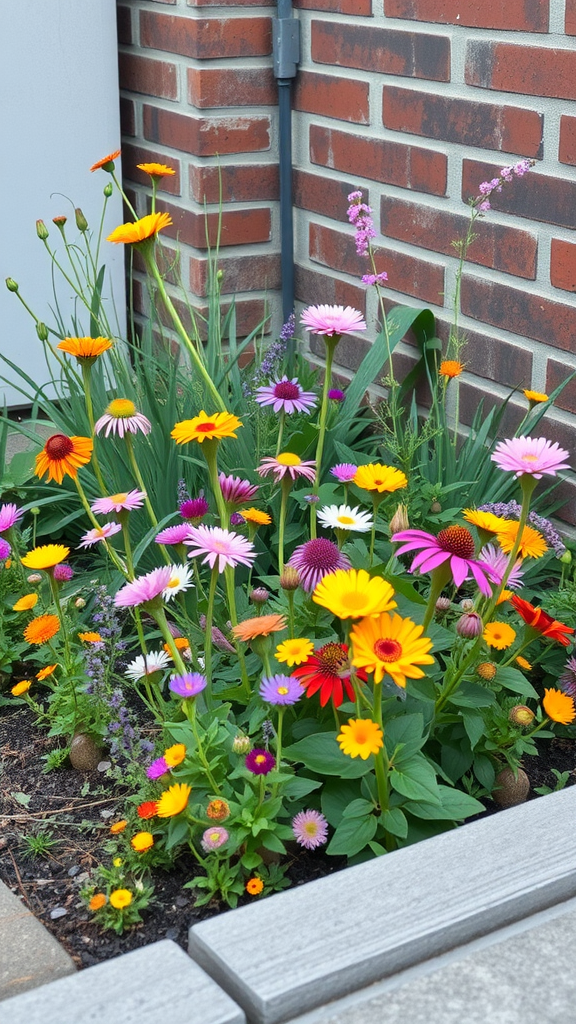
261,625
450,368
106,160
41,629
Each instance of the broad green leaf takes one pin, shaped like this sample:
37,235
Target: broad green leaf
474,725
352,835
358,809
337,794
454,806
406,730
299,787
471,695
416,780
484,771
394,821
515,681
455,761
321,753
407,589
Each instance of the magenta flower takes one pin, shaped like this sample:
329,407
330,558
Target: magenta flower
336,395
260,762
530,455
127,501
454,545
280,689
220,546
359,216
9,515
143,588
287,463
122,418
5,549
344,472
157,768
497,562
214,837
194,508
174,534
62,573
99,533
236,491
316,559
286,396
310,829
188,685
332,320
370,279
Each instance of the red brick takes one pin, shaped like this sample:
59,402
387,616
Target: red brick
570,18
411,54
231,87
342,98
152,77
231,3
492,358
529,70
474,397
241,183
249,313
203,136
322,195
563,265
133,155
206,38
238,227
521,15
496,245
556,373
535,196
519,311
127,116
567,144
491,126
359,8
406,274
168,260
241,274
394,163
312,287
124,23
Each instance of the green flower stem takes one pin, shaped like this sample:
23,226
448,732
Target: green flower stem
290,596
281,712
330,343
527,483
381,766
209,449
123,194
109,549
86,373
452,681
208,635
439,579
189,709
376,499
286,486
123,517
280,432
67,654
152,267
261,646
159,616
229,580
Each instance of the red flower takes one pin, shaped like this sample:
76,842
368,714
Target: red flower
541,622
149,809
328,670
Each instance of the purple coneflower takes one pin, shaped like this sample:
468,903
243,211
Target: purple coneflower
213,838
122,418
344,472
174,534
188,685
287,463
497,562
310,829
286,396
316,559
454,545
236,491
126,501
143,588
9,515
99,533
194,509
260,762
530,455
218,545
280,689
62,573
331,320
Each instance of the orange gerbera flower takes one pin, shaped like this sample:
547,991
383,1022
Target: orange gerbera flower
156,170
140,230
90,637
538,620
45,672
106,160
42,629
559,706
254,886
62,456
261,625
450,368
86,350
255,516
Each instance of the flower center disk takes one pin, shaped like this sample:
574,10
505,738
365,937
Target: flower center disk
58,446
286,390
387,650
457,540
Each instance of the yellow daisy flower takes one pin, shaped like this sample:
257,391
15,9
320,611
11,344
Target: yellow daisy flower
156,170
205,428
256,516
120,899
142,841
175,755
484,520
390,645
523,663
21,688
62,456
532,544
46,556
360,738
352,593
24,604
294,652
559,706
45,672
375,477
42,629
173,800
535,397
499,635
141,230
90,638
85,350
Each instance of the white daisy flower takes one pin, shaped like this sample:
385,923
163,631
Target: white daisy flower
155,661
342,517
180,579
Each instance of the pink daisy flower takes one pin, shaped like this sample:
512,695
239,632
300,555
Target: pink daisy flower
174,534
286,396
316,559
289,463
143,588
344,472
236,491
310,829
533,455
122,418
9,515
497,561
332,320
213,838
100,533
455,545
125,501
220,546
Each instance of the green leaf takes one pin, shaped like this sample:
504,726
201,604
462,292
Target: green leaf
515,681
321,753
336,795
358,809
250,860
471,695
474,725
407,589
455,761
484,771
299,787
352,835
406,730
177,831
416,780
272,842
394,821
454,806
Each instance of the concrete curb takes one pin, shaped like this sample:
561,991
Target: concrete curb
29,954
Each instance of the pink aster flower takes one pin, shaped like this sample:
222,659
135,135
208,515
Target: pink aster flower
316,559
122,418
260,762
188,685
530,455
174,534
332,320
194,508
287,462
370,279
157,768
286,396
5,549
280,689
98,534
454,545
9,515
213,838
236,491
125,501
497,561
62,573
218,545
143,588
336,395
310,829
344,472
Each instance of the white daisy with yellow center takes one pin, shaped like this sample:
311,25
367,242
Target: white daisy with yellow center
342,517
180,580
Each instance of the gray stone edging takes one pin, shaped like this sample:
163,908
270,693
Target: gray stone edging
299,949
29,953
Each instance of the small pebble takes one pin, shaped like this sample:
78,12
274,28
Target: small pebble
103,766
106,814
182,901
73,870
83,877
58,912
172,933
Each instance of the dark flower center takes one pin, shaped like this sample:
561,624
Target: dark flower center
58,446
332,658
387,650
457,540
287,390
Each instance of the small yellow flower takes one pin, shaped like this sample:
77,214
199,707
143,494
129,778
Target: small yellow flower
294,652
117,862
85,350
24,604
484,520
360,738
21,688
90,638
42,629
559,706
120,899
255,516
142,841
175,755
133,233
156,170
45,672
499,635
118,826
486,670
375,477
523,663
254,886
532,544
352,593
535,397
205,428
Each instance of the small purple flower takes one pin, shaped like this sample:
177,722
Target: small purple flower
213,838
9,515
5,549
286,396
157,768
260,762
188,685
62,573
237,520
336,395
280,689
312,499
310,829
236,491
287,332
370,279
344,472
173,534
567,681
194,508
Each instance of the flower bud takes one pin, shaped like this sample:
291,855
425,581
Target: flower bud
566,557
60,220
241,744
41,230
312,499
399,520
81,222
11,284
467,605
220,275
42,331
521,715
289,580
486,670
34,577
435,507
79,602
108,190
259,595
443,604
469,625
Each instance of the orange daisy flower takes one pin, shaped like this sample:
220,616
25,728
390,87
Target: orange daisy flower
118,826
450,368
261,625
538,620
105,161
86,350
148,809
255,516
140,230
62,456
97,902
45,672
90,638
254,886
559,706
42,629
156,170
